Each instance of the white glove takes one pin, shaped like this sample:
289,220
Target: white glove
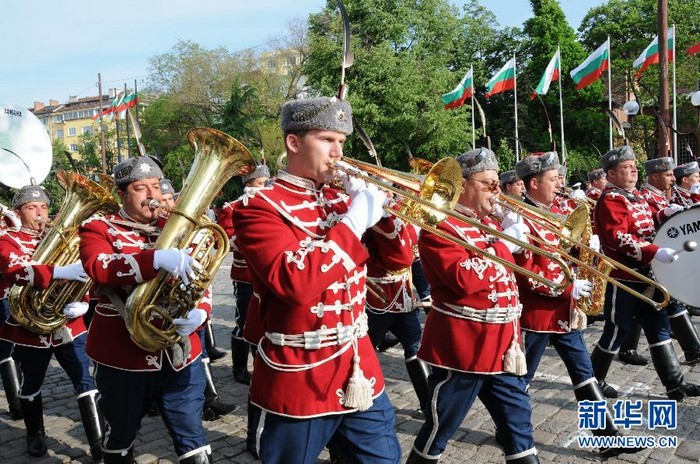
510,219
666,255
518,231
594,243
582,288
177,262
672,209
578,194
73,271
188,324
366,209
75,309
352,185
695,188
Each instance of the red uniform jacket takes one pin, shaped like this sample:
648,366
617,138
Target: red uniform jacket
657,201
308,273
625,225
683,197
544,309
117,253
17,268
593,193
239,268
465,287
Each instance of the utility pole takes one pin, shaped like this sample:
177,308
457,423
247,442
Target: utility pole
665,135
102,126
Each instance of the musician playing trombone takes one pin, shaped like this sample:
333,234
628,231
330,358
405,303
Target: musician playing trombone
550,316
625,225
471,335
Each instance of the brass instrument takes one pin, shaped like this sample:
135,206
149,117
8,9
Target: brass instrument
594,265
218,157
41,311
434,201
585,199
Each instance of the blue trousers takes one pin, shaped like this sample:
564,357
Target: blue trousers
243,292
33,362
5,346
359,437
419,280
125,397
406,327
571,349
619,309
452,395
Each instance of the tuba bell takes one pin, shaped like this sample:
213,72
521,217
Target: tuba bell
152,306
41,310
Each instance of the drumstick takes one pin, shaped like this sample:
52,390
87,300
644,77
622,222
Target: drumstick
689,245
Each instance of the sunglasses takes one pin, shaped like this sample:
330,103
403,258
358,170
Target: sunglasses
491,185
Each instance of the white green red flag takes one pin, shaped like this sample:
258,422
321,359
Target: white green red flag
503,81
590,70
695,49
551,73
128,102
464,90
650,55
110,109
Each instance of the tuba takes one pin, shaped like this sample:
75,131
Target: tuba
41,311
152,306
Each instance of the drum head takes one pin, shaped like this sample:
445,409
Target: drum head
25,147
680,277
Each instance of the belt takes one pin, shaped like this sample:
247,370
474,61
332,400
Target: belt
322,338
497,315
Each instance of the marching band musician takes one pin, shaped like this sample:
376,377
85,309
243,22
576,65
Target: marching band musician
317,378
117,252
549,316
471,335
565,203
167,195
33,351
240,274
511,185
597,181
625,225
687,191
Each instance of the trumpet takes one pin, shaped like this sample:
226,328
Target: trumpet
432,201
568,231
586,199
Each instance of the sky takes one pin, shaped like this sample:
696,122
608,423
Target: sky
55,49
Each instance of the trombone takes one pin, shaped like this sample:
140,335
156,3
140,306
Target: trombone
434,201
570,228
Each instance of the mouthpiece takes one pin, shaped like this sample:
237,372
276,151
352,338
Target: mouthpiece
152,204
40,219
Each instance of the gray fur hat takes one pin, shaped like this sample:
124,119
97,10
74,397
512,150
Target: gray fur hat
478,160
508,177
686,169
132,169
616,156
596,174
537,163
29,193
659,165
261,171
166,186
322,113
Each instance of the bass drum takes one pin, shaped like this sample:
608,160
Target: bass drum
680,277
25,148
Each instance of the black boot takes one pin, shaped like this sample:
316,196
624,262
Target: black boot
34,423
212,351
251,429
201,457
92,422
668,368
415,458
389,341
124,457
601,365
213,407
418,372
10,381
687,337
628,349
239,358
529,459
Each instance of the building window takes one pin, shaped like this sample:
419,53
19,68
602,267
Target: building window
272,64
87,129
291,61
58,118
59,133
72,132
73,147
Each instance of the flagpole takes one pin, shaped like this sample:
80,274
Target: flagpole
515,99
472,105
675,113
610,124
561,111
128,135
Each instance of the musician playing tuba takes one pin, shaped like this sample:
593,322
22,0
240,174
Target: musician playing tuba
118,253
33,351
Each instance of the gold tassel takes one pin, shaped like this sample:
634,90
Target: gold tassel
359,392
514,360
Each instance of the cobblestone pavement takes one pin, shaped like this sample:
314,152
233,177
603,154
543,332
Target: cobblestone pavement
554,413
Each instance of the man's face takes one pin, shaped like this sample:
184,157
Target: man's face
544,188
308,156
478,190
136,197
600,183
258,182
34,215
516,189
167,203
688,181
662,180
624,175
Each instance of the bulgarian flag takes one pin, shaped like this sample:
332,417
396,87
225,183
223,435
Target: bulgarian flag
503,81
128,102
590,70
551,73
650,55
464,90
110,109
694,49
